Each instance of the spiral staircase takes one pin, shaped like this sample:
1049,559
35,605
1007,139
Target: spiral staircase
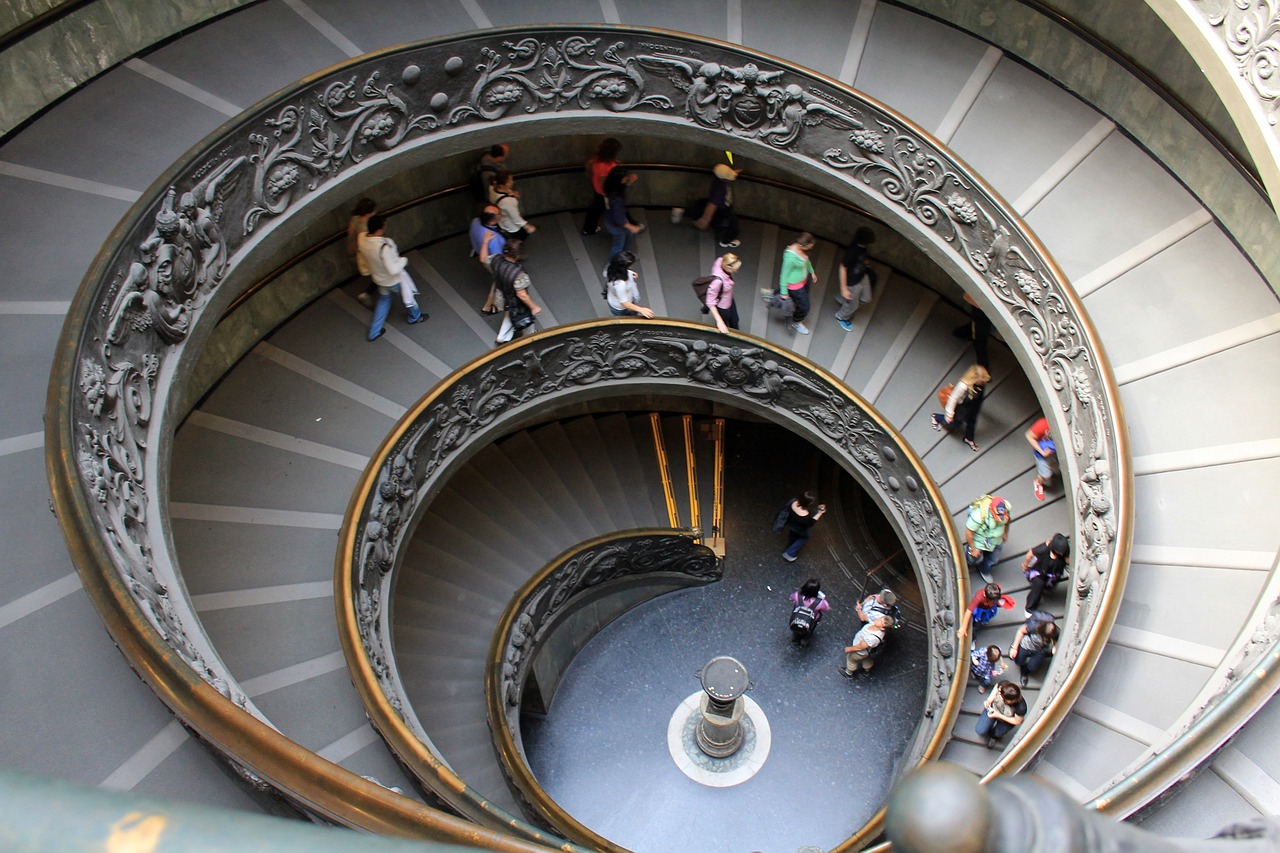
265,464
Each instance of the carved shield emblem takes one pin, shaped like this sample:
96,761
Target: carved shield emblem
748,111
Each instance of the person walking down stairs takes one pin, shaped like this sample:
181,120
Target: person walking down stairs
387,268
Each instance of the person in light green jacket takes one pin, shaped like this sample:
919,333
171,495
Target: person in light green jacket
795,279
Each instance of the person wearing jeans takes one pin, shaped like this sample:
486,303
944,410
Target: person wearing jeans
985,532
802,514
616,221
387,269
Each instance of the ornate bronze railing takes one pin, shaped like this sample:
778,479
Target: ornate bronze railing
157,288
613,359
596,572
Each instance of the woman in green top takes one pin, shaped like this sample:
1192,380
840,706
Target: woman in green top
796,277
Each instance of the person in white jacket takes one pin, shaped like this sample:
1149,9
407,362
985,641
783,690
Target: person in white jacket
387,269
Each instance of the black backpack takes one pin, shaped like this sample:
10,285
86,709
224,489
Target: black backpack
804,618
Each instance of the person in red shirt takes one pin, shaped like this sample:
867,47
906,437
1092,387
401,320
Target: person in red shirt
598,168
1046,455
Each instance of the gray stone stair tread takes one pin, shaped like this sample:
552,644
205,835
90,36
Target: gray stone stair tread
924,94
262,393
293,708
1076,747
578,472
1229,409
468,562
633,466
214,468
1169,507
599,458
682,254
505,529
1137,326
249,644
333,339
1120,214
971,756
244,57
1201,809
898,298
1153,692
476,496
398,21
569,515
998,142
138,127
46,274
916,376
514,480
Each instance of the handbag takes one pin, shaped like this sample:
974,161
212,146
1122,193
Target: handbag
944,394
520,315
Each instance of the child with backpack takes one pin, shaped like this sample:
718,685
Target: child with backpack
808,604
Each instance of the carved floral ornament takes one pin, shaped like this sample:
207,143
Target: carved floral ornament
1251,31
164,274
560,364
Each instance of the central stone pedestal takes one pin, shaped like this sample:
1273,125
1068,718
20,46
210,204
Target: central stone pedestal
719,732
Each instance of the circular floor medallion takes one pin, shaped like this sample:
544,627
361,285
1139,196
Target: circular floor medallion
718,772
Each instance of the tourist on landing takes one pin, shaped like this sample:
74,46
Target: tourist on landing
717,213
985,532
504,195
802,513
808,603
795,279
598,168
876,605
486,244
616,220
387,269
858,655
1045,565
720,302
856,278
622,288
1033,645
963,404
513,283
1003,711
986,665
357,225
1045,452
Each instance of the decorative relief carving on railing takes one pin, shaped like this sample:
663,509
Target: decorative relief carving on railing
153,291
1251,31
540,607
558,365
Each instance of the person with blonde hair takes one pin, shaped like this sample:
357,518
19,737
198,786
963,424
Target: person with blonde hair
720,302
963,405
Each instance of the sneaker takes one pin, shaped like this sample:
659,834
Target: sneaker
845,324
366,299
986,577
799,328
641,228
677,214
790,558
586,233
421,318
846,673
1038,488
732,244
381,332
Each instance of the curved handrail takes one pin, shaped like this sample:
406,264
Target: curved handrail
541,604
154,292
611,358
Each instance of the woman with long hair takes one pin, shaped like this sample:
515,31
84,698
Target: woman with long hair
795,279
1003,711
963,405
802,513
622,288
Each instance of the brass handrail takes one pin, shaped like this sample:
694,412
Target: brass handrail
101,332
357,586
510,754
